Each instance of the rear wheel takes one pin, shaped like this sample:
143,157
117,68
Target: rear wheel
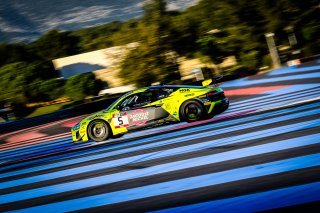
192,111
98,130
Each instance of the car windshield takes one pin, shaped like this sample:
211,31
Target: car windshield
140,98
128,101
115,102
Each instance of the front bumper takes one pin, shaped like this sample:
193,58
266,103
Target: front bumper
79,135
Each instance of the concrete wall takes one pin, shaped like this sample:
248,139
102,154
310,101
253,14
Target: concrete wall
103,63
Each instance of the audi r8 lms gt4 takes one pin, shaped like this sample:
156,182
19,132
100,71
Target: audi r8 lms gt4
152,106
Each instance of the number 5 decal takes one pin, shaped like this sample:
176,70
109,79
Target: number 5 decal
120,120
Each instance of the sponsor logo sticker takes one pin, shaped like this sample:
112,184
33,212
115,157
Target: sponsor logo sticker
188,95
185,90
139,117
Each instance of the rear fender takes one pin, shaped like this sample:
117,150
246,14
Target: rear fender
193,99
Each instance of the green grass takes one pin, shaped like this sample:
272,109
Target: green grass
46,109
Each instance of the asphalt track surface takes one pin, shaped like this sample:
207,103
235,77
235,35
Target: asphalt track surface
262,154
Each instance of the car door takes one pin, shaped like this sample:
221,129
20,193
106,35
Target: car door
134,113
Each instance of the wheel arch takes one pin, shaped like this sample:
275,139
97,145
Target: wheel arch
193,99
99,119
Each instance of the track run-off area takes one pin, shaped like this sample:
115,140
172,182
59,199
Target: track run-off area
263,153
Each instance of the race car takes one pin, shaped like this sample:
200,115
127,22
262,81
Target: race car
152,106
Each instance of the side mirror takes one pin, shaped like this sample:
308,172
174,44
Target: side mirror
121,108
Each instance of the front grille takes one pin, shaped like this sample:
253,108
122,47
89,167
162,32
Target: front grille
78,136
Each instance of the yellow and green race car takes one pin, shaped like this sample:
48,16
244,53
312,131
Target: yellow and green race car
152,106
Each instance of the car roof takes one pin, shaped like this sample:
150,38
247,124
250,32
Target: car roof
143,89
174,86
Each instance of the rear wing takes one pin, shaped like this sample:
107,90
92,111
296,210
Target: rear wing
213,81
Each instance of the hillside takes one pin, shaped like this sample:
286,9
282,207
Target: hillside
26,20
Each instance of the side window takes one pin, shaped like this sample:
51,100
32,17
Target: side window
163,92
137,100
144,98
129,101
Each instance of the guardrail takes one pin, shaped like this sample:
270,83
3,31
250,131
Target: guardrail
82,109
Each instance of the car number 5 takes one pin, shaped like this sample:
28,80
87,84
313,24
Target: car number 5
120,121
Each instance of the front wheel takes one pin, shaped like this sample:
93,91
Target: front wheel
98,130
192,111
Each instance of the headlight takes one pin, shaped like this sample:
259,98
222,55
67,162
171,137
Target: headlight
77,126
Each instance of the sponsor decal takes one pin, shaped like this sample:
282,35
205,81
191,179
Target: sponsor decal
95,116
139,117
188,95
120,120
185,90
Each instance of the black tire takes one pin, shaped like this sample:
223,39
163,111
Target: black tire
98,130
192,110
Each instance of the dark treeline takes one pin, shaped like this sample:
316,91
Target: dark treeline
213,29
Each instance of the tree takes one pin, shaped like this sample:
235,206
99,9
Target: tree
146,65
79,86
98,37
210,46
154,11
250,59
183,33
24,82
46,90
14,79
153,60
11,53
55,44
